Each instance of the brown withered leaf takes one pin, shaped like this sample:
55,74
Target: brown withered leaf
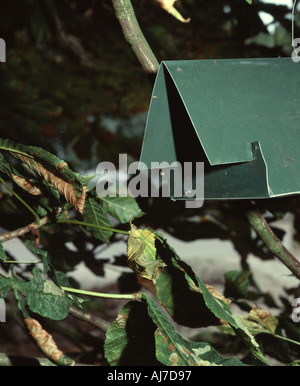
168,5
64,187
217,294
27,185
45,342
263,318
54,170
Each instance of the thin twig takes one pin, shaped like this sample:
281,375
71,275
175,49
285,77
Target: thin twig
68,40
275,246
134,35
90,318
13,360
22,231
33,226
76,222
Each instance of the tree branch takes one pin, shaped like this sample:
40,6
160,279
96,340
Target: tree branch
90,318
22,231
275,246
134,36
69,41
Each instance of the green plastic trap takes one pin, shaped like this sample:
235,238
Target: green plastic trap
240,117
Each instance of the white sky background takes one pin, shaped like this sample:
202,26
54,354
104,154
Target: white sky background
267,18
289,3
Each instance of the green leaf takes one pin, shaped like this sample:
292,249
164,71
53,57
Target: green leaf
130,338
135,337
295,363
40,253
5,166
173,350
183,293
62,280
92,214
116,337
124,209
6,284
237,284
44,297
235,321
249,1
20,302
178,290
2,252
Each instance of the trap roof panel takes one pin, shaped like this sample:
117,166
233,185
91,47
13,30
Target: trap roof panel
241,117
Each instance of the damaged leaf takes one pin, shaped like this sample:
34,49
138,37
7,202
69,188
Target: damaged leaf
132,333
6,284
168,5
141,253
53,170
44,297
177,289
2,252
237,283
27,185
46,343
93,215
263,318
141,331
180,290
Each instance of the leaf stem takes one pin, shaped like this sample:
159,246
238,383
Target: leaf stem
21,262
253,331
20,152
90,318
76,222
21,200
22,231
134,296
